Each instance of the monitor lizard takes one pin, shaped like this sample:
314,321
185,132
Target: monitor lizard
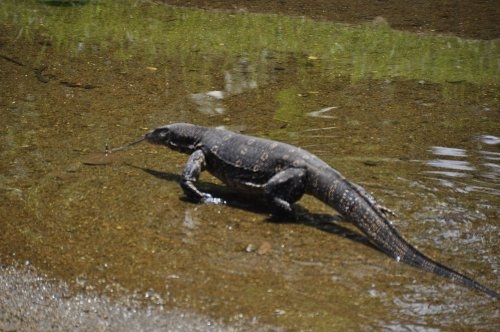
283,174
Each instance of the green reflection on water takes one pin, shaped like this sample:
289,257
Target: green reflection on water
127,29
289,106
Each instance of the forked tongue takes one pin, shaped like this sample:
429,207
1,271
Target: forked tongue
97,159
125,146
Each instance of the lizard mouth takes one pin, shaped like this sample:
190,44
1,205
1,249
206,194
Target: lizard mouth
155,137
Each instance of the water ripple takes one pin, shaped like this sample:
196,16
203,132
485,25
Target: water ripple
444,151
451,164
466,170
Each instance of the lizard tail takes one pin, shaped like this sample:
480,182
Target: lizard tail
360,208
387,238
418,259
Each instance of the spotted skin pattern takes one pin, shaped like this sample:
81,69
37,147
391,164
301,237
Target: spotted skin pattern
283,174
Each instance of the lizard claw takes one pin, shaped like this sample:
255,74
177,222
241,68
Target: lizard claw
386,211
209,199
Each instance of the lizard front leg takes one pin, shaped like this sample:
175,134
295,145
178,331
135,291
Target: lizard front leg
194,166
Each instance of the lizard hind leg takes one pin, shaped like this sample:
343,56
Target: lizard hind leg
285,188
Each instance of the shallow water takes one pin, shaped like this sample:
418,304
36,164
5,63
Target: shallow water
422,137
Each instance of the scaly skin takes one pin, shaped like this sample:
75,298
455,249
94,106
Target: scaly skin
283,173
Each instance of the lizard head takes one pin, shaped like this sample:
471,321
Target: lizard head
178,136
160,135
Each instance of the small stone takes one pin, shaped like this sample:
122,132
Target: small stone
251,248
30,98
264,248
279,312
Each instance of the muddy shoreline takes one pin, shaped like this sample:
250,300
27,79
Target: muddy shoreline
469,19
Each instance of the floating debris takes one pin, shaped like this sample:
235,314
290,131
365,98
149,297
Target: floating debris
319,114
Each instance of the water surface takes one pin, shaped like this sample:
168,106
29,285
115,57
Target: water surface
412,118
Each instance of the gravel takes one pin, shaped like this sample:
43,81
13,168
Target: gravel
31,302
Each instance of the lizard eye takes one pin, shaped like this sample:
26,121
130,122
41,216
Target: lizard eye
158,136
164,135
